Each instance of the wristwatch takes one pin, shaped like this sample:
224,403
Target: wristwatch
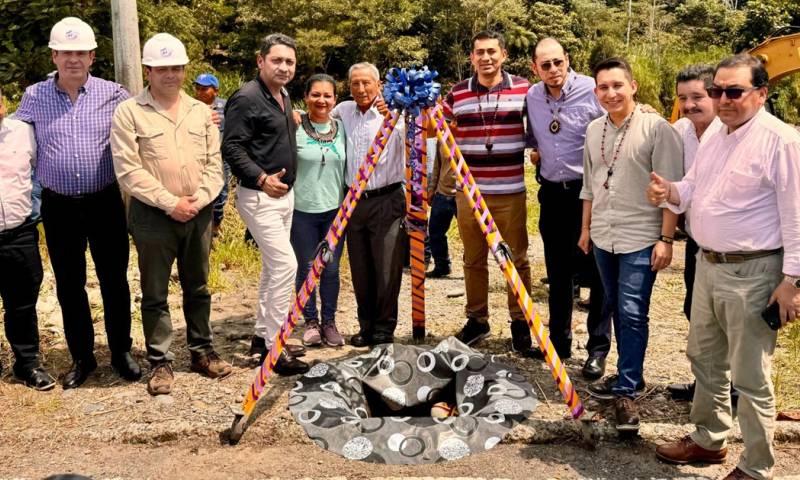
792,280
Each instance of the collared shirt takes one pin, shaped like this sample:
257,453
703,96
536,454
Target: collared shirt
491,117
691,143
17,158
743,192
218,105
360,129
623,221
561,154
74,155
158,160
259,136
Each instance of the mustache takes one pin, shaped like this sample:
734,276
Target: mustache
692,110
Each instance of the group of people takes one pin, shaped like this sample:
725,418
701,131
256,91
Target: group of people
615,181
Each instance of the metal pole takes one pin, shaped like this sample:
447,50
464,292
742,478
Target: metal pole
127,53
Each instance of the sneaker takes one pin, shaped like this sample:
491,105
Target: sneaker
627,414
161,379
210,365
312,337
332,336
521,337
604,388
473,331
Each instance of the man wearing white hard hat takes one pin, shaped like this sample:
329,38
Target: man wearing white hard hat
166,156
81,202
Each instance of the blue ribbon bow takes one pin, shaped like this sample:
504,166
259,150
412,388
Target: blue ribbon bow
411,89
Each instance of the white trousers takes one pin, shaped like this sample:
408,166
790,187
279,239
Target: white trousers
270,223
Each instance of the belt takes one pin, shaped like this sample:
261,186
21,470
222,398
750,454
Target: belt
46,192
381,191
738,257
565,185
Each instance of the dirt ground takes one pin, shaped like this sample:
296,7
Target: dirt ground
114,429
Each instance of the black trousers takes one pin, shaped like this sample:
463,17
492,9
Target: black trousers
374,249
560,227
688,274
20,279
70,223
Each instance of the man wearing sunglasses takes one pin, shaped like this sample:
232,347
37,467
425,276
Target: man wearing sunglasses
742,193
560,108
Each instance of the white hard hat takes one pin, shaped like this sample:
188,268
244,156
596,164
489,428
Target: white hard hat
164,50
72,34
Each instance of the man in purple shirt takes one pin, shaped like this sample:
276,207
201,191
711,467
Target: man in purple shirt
81,202
559,109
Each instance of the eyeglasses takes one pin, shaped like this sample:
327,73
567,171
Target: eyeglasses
733,93
551,63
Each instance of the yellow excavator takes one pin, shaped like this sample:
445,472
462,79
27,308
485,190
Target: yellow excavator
780,54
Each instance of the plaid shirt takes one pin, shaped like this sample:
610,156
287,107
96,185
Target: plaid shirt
73,151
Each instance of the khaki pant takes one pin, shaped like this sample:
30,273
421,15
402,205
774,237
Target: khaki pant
729,341
270,222
510,215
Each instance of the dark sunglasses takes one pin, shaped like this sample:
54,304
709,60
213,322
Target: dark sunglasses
733,93
551,63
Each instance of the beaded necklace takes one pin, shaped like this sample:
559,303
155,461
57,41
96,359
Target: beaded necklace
321,139
610,166
555,124
490,131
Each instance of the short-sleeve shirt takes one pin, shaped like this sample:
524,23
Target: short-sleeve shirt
320,169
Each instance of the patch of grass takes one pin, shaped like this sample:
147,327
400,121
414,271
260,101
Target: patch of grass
786,368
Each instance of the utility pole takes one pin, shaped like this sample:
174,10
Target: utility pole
127,53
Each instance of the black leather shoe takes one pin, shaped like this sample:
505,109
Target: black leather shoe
594,368
37,379
80,371
288,365
378,339
681,391
438,272
361,340
126,366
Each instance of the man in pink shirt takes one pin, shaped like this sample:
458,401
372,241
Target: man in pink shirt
742,194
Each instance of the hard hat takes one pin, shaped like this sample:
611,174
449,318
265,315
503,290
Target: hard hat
164,50
72,34
207,80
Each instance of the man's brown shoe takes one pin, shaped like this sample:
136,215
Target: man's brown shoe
686,451
161,379
627,414
210,365
737,474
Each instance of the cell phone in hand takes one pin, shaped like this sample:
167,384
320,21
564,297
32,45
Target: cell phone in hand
771,316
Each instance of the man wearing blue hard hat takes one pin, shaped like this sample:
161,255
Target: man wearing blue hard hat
206,89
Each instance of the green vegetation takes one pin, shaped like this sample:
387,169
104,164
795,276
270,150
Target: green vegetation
658,36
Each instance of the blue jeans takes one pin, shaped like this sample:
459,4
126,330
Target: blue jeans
443,209
222,198
36,198
628,282
308,230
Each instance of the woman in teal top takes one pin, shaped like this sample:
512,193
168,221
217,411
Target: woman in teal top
318,194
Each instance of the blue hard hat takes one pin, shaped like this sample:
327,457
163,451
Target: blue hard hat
207,80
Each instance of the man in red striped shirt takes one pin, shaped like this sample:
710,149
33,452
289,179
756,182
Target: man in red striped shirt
488,111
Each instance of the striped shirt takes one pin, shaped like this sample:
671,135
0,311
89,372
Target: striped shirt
73,150
491,117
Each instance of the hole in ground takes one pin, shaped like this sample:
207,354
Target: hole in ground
380,406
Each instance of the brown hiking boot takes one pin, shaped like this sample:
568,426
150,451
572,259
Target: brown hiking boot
210,365
161,379
686,451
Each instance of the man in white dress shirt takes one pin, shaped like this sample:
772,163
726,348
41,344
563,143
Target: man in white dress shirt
742,194
698,124
20,262
374,245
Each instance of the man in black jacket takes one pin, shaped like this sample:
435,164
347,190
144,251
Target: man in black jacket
259,145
